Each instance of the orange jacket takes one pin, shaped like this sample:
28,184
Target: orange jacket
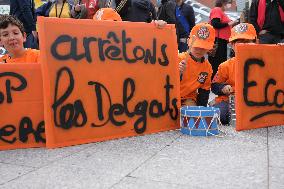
196,75
225,76
30,56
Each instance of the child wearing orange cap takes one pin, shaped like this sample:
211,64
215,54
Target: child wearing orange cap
223,83
12,37
195,69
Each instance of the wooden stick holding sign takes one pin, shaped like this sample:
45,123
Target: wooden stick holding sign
183,63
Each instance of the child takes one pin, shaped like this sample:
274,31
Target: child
12,37
223,83
195,69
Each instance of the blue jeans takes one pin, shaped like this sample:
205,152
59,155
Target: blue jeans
224,112
31,42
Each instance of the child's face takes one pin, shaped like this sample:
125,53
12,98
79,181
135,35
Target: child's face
12,38
198,52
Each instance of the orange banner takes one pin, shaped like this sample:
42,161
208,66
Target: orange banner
21,106
259,86
106,80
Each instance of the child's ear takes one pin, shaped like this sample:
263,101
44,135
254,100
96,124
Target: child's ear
25,37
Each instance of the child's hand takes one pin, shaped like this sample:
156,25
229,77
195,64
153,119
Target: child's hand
182,66
227,90
160,23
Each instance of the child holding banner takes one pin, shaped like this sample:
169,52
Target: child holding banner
223,83
12,37
195,69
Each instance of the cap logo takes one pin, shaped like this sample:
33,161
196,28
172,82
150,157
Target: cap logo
203,32
241,28
99,14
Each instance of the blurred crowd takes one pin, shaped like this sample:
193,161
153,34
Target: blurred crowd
266,15
172,11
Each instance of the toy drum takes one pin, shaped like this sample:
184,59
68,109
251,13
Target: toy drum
199,120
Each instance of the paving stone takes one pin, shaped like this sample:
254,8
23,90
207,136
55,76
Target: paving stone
238,160
135,183
120,156
9,172
38,157
276,146
276,180
64,177
276,157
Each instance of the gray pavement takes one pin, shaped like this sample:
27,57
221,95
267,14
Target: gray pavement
251,159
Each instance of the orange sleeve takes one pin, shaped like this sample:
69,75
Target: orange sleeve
207,84
221,75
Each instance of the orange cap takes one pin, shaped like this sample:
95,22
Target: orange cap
107,14
243,31
203,35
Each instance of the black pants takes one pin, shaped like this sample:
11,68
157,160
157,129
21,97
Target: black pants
268,38
182,47
220,56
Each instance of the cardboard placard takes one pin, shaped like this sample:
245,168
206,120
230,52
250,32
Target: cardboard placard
105,80
21,106
259,86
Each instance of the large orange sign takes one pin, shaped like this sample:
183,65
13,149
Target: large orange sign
259,86
21,106
106,80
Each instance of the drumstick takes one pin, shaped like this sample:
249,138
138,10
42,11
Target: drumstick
188,52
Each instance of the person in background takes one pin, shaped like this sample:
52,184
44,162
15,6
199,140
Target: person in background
223,83
12,37
196,71
185,21
85,8
222,24
167,11
132,10
142,11
24,10
123,7
56,8
111,15
267,16
107,4
38,3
